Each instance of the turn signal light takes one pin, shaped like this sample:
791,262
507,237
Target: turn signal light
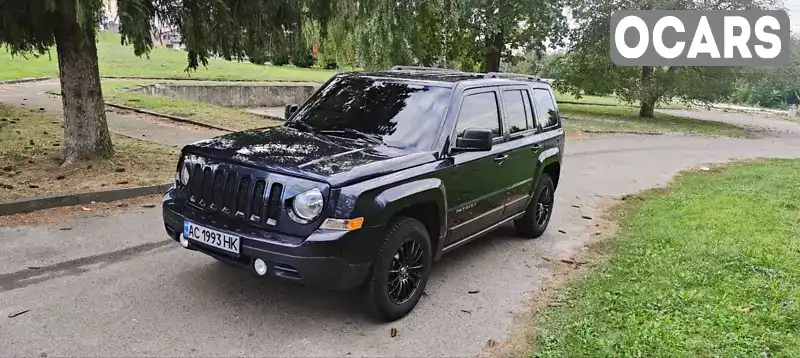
343,224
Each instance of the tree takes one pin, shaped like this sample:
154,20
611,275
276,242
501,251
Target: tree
771,86
230,28
589,67
468,34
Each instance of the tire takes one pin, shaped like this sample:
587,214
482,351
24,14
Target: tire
382,305
530,225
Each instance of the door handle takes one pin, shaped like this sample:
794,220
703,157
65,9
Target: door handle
500,158
536,147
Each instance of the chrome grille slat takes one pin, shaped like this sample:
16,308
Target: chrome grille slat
237,194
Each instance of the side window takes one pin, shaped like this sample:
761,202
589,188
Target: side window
545,108
518,115
479,110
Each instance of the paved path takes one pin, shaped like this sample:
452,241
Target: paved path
769,127
32,95
130,292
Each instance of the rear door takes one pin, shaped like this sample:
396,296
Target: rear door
523,147
475,183
548,121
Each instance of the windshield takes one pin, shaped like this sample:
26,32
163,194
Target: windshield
401,114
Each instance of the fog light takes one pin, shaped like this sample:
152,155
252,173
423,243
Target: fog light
184,241
260,266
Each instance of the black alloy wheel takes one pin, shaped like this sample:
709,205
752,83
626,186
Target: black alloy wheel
400,270
405,272
534,222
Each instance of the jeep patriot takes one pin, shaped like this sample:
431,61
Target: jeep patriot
372,179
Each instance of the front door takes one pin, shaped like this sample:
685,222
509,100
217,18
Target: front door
475,183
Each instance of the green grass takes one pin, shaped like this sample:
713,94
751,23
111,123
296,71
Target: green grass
709,267
118,60
591,117
231,118
30,159
115,92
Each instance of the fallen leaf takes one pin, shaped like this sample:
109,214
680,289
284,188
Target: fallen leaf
393,332
17,313
85,208
748,309
473,291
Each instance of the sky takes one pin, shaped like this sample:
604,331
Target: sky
793,8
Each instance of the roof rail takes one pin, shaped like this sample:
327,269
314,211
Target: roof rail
509,75
422,68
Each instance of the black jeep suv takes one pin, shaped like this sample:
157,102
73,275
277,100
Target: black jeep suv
372,179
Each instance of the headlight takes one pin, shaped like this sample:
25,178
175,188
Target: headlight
184,175
307,206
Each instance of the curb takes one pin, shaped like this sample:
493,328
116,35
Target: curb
619,132
161,115
170,117
29,205
592,104
25,80
200,79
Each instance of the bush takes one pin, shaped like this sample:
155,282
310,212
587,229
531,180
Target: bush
280,59
303,59
330,64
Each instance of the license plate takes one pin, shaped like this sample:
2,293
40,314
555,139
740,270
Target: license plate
211,237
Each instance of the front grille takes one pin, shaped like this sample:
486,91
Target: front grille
224,189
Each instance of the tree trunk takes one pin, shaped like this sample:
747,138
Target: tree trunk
85,128
647,97
494,50
647,109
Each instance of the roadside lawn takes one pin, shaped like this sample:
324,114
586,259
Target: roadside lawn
708,267
232,118
580,117
30,160
118,60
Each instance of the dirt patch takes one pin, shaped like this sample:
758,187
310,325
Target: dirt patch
66,213
562,270
30,160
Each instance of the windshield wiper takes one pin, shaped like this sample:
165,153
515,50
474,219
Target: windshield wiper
372,138
300,125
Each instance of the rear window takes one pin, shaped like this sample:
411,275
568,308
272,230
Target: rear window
546,113
402,114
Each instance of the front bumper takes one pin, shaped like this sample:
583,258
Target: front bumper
335,260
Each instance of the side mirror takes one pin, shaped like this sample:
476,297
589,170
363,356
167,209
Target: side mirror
475,139
289,110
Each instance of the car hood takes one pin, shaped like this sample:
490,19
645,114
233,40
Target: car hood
335,160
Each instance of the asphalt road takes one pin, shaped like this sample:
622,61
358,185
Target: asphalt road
113,286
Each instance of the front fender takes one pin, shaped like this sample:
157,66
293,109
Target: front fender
393,200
